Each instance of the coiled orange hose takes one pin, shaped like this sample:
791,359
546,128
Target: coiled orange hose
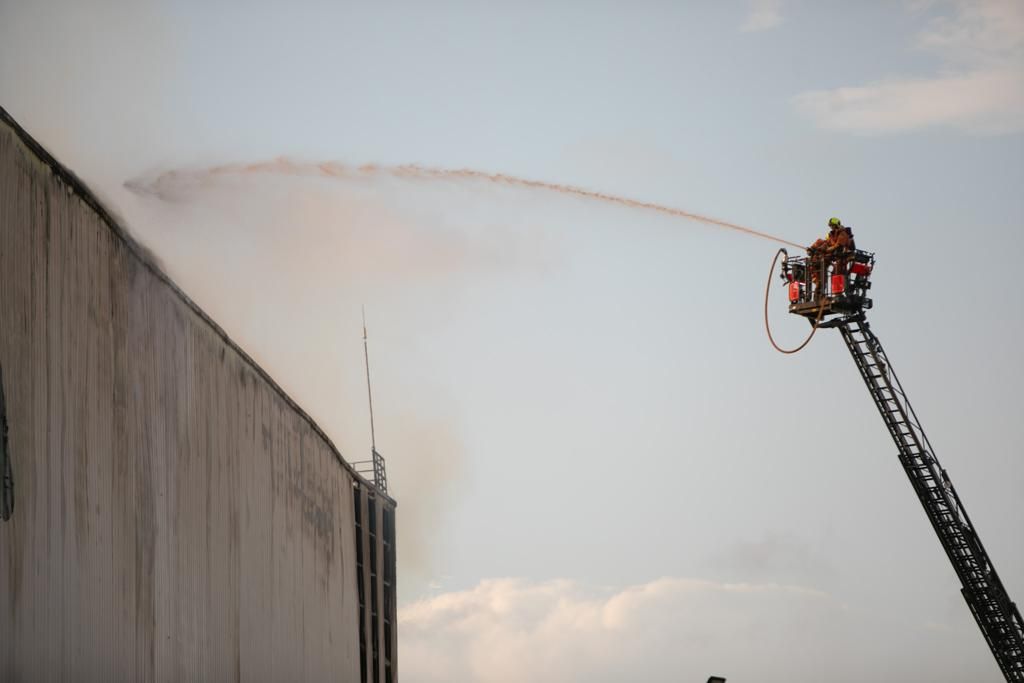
768,327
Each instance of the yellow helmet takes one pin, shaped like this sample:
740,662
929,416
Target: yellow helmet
834,222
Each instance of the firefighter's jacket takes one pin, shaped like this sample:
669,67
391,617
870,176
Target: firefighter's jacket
840,240
837,242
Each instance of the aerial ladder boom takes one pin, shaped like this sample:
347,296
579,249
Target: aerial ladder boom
839,299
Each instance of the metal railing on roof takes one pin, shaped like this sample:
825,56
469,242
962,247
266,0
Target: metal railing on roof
373,470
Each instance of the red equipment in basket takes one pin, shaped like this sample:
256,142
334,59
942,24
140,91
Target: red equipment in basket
838,284
861,269
794,292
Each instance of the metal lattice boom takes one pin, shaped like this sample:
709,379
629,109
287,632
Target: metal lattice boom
997,616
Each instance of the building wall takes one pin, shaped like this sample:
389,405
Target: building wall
176,516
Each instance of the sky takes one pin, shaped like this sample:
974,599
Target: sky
604,471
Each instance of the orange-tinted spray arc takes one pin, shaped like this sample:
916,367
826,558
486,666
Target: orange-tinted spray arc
332,169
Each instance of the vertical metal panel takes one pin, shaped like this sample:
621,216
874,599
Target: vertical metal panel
178,517
378,622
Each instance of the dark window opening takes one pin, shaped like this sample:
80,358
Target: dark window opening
6,476
357,497
371,517
388,587
375,583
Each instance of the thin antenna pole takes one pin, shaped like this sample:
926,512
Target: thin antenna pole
369,392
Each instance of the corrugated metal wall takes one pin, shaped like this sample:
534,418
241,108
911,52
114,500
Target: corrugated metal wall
177,517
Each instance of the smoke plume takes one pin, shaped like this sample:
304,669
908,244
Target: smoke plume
282,254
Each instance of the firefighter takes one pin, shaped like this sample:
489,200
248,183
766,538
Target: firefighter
839,246
834,250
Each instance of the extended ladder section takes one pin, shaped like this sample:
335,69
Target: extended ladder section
997,616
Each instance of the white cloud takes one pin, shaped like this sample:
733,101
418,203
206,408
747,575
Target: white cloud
989,101
670,629
980,88
764,14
